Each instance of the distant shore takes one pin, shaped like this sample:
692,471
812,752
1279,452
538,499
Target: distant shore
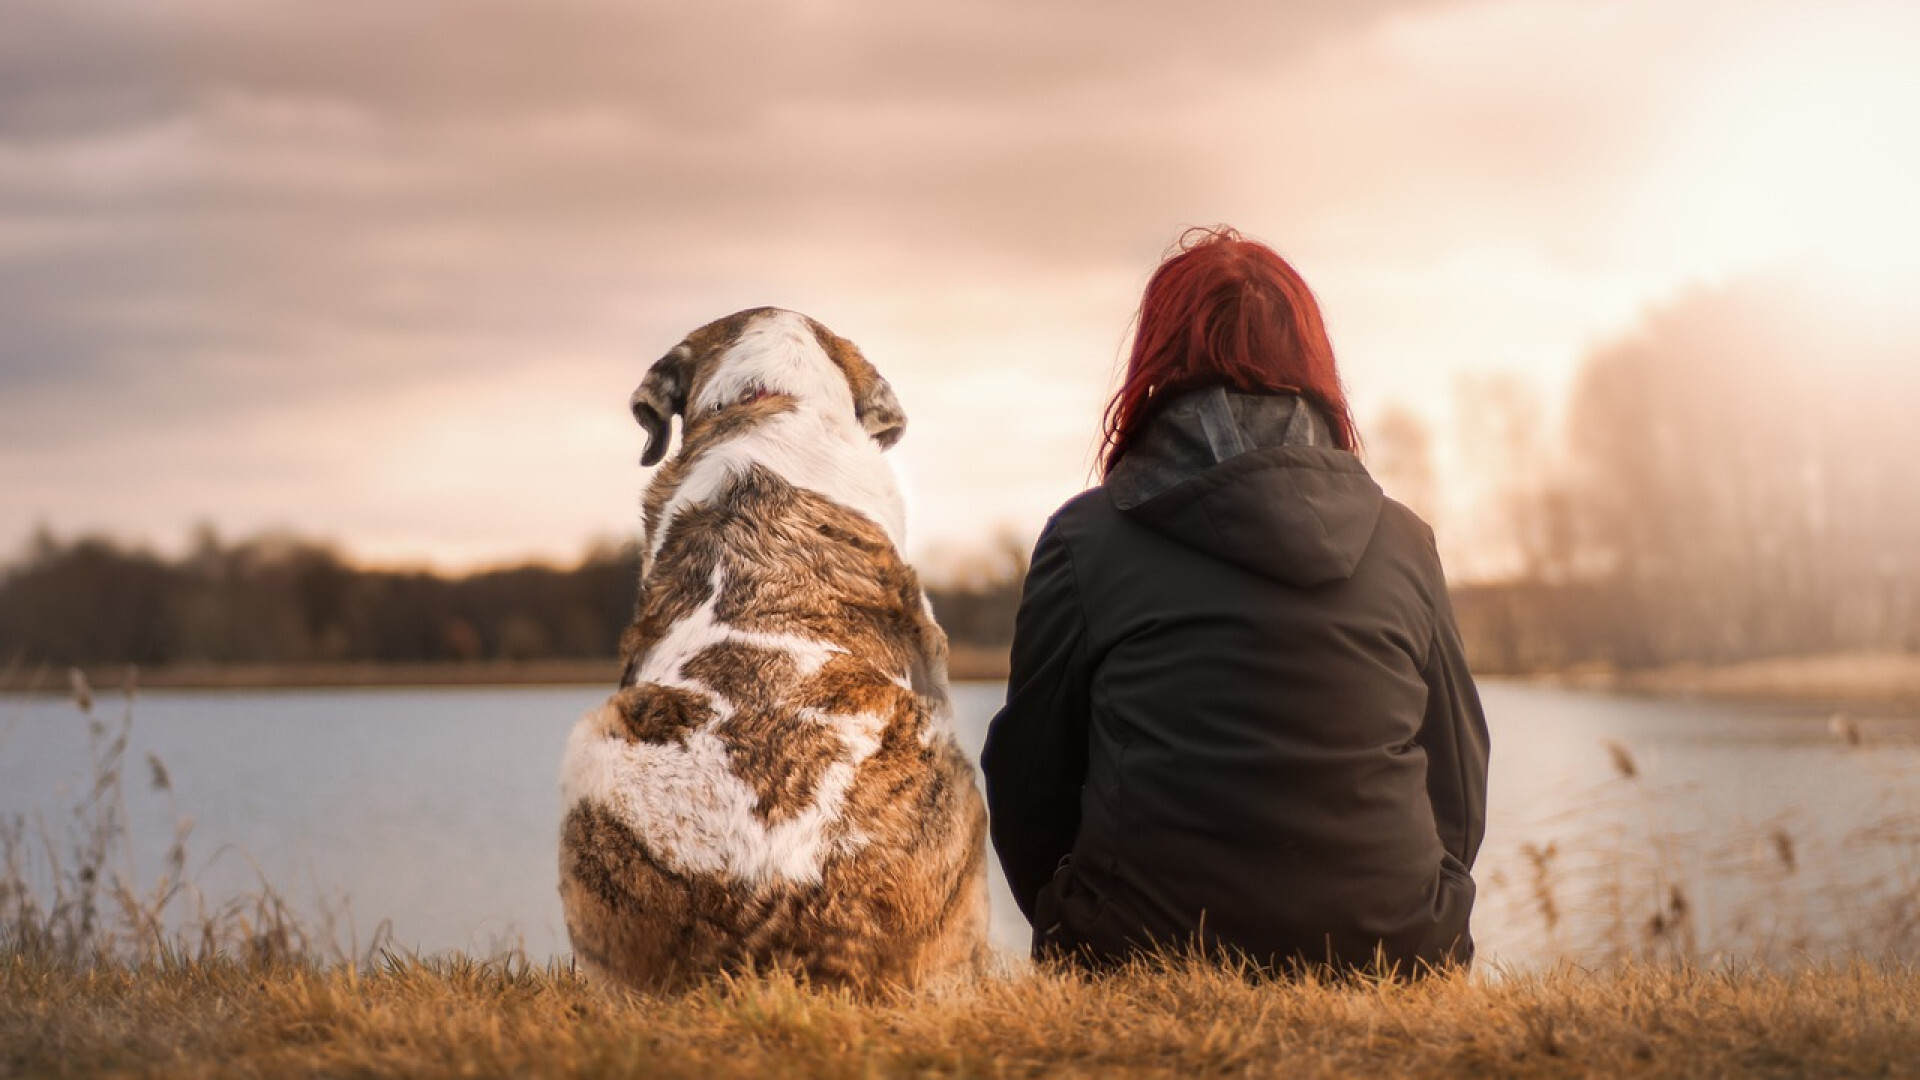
1889,681
1843,681
967,664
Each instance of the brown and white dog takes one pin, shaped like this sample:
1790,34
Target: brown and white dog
776,783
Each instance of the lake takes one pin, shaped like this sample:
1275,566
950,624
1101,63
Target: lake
1616,825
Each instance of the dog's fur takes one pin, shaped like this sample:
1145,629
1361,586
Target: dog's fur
776,783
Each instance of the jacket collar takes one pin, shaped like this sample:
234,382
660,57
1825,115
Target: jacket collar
1254,480
1207,427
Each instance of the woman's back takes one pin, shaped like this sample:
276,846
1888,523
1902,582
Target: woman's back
1260,631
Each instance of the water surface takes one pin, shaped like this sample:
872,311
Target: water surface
438,810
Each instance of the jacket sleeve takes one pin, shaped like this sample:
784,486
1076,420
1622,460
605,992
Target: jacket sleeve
1454,735
1035,757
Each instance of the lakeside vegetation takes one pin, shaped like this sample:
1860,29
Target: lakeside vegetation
967,664
280,610
1729,483
458,1017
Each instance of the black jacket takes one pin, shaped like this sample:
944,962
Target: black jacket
1239,707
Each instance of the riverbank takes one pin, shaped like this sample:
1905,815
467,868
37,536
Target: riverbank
967,664
116,679
455,1017
1850,681
1877,681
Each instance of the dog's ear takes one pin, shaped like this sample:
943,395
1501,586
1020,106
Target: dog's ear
660,397
874,404
880,413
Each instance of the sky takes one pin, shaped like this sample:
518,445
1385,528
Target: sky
385,273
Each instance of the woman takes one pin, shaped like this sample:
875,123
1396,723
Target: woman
1239,711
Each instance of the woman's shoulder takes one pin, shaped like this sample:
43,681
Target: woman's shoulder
1400,518
1405,538
1088,514
1090,503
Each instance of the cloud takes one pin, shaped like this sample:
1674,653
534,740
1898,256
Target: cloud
230,218
249,229
109,62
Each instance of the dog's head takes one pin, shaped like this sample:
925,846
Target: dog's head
756,354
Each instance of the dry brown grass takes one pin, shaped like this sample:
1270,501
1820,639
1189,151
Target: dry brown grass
460,1018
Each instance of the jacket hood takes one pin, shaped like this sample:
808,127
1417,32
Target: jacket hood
1253,479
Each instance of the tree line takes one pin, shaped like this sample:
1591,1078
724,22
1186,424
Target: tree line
283,599
1734,481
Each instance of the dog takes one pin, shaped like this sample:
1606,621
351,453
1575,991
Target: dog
776,783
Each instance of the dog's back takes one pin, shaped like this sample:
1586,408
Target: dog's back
777,781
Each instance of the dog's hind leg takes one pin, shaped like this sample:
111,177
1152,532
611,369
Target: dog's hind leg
629,918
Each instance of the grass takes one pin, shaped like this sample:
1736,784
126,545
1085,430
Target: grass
454,1017
102,974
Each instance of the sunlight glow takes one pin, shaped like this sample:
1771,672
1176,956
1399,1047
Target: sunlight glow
1804,148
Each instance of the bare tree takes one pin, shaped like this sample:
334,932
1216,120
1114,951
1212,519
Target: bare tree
1400,456
1742,469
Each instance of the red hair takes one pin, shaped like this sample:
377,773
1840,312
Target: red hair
1225,310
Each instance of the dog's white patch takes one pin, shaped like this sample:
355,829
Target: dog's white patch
819,445
701,630
696,817
777,353
683,799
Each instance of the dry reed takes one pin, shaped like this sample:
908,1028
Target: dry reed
82,902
